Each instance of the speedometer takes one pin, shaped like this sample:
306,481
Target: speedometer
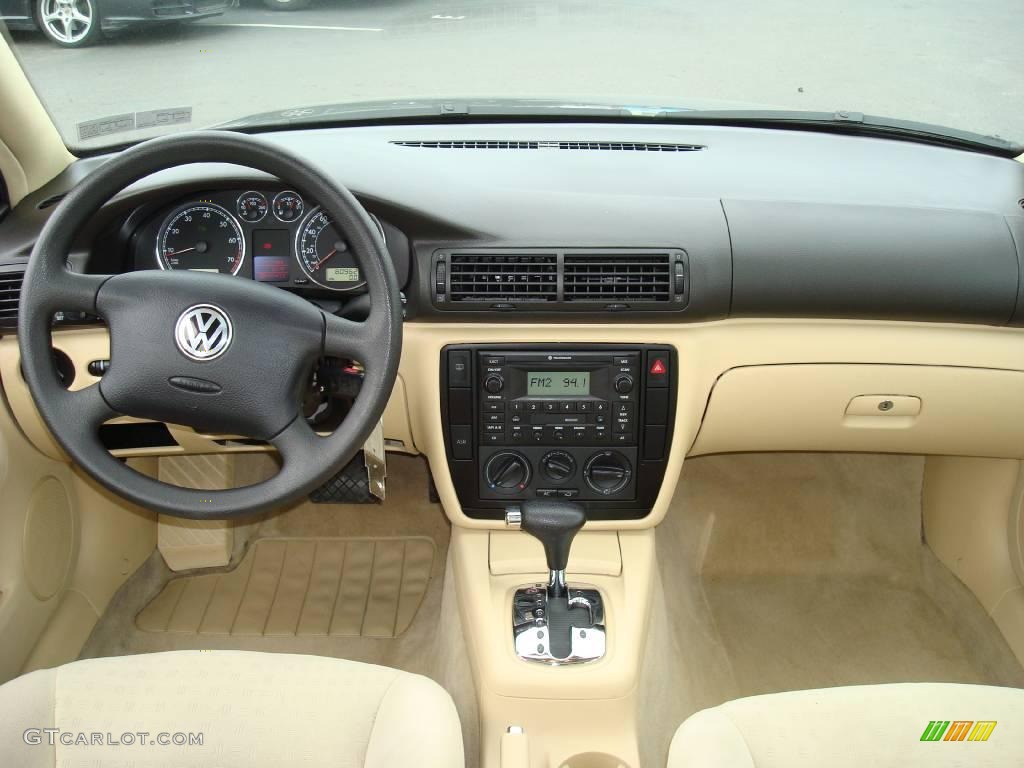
324,256
201,237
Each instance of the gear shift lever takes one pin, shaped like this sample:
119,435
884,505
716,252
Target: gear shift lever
555,524
553,623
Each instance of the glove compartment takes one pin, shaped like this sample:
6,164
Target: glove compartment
877,408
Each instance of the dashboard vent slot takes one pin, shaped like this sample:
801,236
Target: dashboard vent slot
10,289
51,201
503,277
628,146
575,146
452,144
618,278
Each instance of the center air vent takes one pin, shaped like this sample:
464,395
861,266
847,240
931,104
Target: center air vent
561,280
503,277
589,146
10,288
616,277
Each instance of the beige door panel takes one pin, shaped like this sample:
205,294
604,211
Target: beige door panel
65,547
973,514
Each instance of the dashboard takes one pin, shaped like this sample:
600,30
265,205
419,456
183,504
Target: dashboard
802,291
268,234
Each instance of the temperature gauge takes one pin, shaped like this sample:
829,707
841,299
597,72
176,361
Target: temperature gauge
287,206
252,207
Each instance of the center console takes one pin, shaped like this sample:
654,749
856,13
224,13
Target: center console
587,423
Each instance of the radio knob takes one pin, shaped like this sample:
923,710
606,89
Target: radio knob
607,472
558,466
494,384
624,384
507,471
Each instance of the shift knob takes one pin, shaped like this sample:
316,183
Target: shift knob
555,524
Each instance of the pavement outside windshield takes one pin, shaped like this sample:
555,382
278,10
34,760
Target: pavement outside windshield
953,62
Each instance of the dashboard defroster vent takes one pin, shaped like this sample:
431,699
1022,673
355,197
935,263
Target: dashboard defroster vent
11,277
616,277
575,146
503,277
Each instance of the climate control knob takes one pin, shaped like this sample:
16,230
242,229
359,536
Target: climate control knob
507,472
558,466
494,384
624,384
607,472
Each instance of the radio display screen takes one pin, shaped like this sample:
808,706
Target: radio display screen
557,383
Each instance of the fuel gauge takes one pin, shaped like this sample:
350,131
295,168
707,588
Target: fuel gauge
288,206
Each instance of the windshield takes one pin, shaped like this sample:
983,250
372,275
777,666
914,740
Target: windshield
118,71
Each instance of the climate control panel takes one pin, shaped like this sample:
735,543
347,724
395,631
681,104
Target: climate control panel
590,423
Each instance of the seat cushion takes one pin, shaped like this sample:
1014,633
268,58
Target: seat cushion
252,710
876,725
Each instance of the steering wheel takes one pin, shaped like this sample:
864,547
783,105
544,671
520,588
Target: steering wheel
210,351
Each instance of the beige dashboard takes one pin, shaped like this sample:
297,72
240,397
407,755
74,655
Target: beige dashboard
744,385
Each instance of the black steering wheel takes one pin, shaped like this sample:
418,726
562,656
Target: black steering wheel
215,352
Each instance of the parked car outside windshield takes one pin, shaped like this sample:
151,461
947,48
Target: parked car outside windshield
135,70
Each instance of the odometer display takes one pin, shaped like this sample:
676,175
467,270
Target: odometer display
324,256
202,237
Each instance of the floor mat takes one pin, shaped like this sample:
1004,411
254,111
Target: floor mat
792,571
302,587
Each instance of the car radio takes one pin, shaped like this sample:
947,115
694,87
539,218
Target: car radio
571,398
590,423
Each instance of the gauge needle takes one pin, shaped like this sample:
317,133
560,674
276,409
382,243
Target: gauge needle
183,250
325,258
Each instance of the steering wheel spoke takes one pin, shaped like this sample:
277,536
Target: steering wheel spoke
347,338
297,442
75,292
87,406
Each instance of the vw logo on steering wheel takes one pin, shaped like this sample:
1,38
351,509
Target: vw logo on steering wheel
203,332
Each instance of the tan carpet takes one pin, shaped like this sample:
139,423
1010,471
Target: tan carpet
297,587
789,571
432,643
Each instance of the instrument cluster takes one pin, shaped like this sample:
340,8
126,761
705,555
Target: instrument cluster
270,235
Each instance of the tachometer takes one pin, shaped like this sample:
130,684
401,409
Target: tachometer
202,237
325,256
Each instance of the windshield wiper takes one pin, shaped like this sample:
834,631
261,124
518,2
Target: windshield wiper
493,110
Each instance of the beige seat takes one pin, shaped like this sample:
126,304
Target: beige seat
870,725
253,710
